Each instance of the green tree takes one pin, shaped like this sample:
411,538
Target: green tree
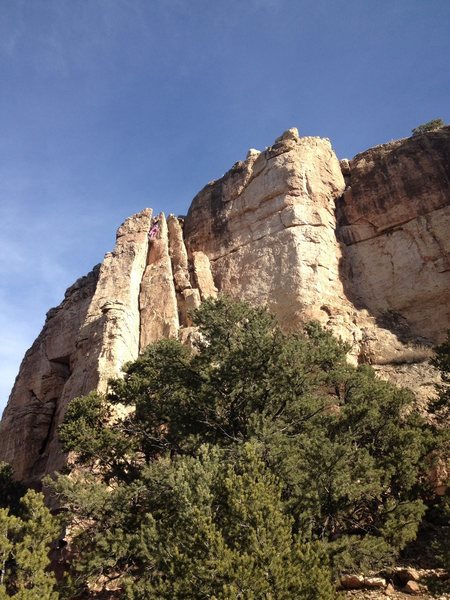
440,409
24,548
441,361
11,491
206,526
344,449
429,126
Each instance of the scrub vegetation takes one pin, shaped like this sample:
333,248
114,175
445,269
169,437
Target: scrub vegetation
428,126
257,465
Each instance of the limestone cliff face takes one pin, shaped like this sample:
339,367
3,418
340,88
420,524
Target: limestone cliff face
362,246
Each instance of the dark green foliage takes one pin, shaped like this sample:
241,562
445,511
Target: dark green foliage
24,548
440,408
242,460
441,543
11,491
208,526
429,126
90,432
441,361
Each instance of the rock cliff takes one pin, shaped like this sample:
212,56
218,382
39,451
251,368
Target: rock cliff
394,222
363,246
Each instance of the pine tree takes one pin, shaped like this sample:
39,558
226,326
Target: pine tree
24,549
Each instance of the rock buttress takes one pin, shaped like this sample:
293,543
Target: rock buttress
157,298
268,230
84,343
109,336
188,296
29,420
394,222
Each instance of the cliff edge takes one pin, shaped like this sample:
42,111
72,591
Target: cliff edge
362,246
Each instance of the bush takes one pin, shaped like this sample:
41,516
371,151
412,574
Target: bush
429,126
256,445
24,548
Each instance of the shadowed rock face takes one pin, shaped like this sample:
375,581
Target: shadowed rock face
29,421
364,250
394,222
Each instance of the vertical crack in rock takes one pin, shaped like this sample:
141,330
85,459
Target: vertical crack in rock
188,297
157,297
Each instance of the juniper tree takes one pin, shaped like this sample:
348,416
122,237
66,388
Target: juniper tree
440,409
343,448
211,525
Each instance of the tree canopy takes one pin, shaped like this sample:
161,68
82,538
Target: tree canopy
251,466
24,548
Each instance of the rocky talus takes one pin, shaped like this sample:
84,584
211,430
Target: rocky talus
363,246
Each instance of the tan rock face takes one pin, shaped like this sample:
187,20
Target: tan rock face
157,298
113,319
268,229
84,342
178,254
265,232
187,296
109,334
394,223
203,275
28,424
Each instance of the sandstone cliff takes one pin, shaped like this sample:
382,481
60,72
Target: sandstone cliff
363,246
394,220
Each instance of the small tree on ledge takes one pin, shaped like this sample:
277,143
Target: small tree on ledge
429,126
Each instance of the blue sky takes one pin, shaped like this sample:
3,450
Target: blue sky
109,106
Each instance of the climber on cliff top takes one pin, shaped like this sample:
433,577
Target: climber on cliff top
154,231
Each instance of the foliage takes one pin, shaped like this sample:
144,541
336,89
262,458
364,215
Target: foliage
24,548
207,526
11,491
441,411
441,361
240,460
441,545
429,126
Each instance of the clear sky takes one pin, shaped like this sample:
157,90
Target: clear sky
109,106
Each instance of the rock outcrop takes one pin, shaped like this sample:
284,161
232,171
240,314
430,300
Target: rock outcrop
268,230
394,222
363,246
157,297
29,421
